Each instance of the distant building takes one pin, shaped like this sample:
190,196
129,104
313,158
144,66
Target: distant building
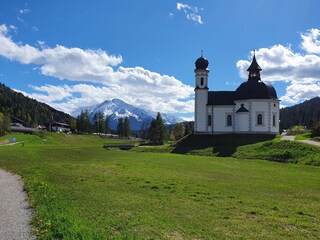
58,127
252,108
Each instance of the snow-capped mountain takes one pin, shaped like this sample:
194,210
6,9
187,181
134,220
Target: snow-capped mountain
116,109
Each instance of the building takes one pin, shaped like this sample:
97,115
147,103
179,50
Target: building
252,108
58,127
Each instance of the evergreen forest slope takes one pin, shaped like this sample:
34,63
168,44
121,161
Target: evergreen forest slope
15,104
304,114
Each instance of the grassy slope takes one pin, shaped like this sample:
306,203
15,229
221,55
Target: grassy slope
281,151
82,191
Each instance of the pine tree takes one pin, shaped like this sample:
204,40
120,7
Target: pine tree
120,127
126,127
98,122
107,124
157,132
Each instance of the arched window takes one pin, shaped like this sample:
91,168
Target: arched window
201,81
229,120
259,119
273,120
209,120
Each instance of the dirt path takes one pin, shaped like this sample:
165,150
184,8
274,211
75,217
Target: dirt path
310,142
288,138
292,138
14,212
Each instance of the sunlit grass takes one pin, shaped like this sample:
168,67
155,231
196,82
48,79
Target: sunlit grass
81,191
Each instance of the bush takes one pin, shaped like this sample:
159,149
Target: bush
295,130
316,130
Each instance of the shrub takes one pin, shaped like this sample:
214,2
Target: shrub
316,130
297,130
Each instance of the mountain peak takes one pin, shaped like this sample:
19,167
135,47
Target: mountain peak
117,108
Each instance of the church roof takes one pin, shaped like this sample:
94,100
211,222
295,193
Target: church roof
254,65
201,63
255,90
242,109
221,98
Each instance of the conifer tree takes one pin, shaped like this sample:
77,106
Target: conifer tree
157,131
107,124
120,127
126,127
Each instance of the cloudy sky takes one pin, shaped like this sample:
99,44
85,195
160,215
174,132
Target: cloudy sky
79,53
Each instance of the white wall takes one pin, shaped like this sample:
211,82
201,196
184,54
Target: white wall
201,99
220,118
242,122
260,107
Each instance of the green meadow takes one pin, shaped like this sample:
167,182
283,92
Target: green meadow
79,190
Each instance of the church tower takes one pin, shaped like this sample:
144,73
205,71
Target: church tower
254,70
201,95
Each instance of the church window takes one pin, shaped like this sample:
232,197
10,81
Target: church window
229,120
209,120
273,120
259,119
201,81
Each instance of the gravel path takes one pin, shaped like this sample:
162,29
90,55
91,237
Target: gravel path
14,212
288,138
311,142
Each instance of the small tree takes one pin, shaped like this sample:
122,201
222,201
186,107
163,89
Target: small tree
4,124
99,125
107,124
120,127
126,127
157,132
178,131
316,130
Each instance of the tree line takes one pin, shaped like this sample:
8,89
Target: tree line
155,131
100,124
305,114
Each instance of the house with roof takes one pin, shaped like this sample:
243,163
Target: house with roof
252,108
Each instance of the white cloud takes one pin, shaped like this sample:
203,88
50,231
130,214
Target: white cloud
24,11
300,71
192,13
136,85
310,42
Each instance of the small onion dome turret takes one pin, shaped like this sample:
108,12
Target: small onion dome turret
201,63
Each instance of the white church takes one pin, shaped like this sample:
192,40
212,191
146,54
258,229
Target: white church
253,108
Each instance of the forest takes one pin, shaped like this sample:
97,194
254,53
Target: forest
29,110
304,114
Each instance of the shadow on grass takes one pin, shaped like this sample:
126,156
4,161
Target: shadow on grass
223,145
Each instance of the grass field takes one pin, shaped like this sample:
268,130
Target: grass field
81,191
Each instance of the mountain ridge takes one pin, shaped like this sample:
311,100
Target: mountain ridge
116,108
306,114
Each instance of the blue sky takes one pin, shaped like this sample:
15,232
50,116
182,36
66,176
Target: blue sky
78,53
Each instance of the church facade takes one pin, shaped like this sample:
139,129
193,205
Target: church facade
252,108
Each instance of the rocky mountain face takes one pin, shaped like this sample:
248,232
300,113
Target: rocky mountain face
116,109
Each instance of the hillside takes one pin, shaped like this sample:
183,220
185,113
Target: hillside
305,114
29,110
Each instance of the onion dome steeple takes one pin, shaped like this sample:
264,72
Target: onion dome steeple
201,62
254,70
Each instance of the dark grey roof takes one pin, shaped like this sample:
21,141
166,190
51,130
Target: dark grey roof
201,63
255,90
254,65
242,109
221,98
